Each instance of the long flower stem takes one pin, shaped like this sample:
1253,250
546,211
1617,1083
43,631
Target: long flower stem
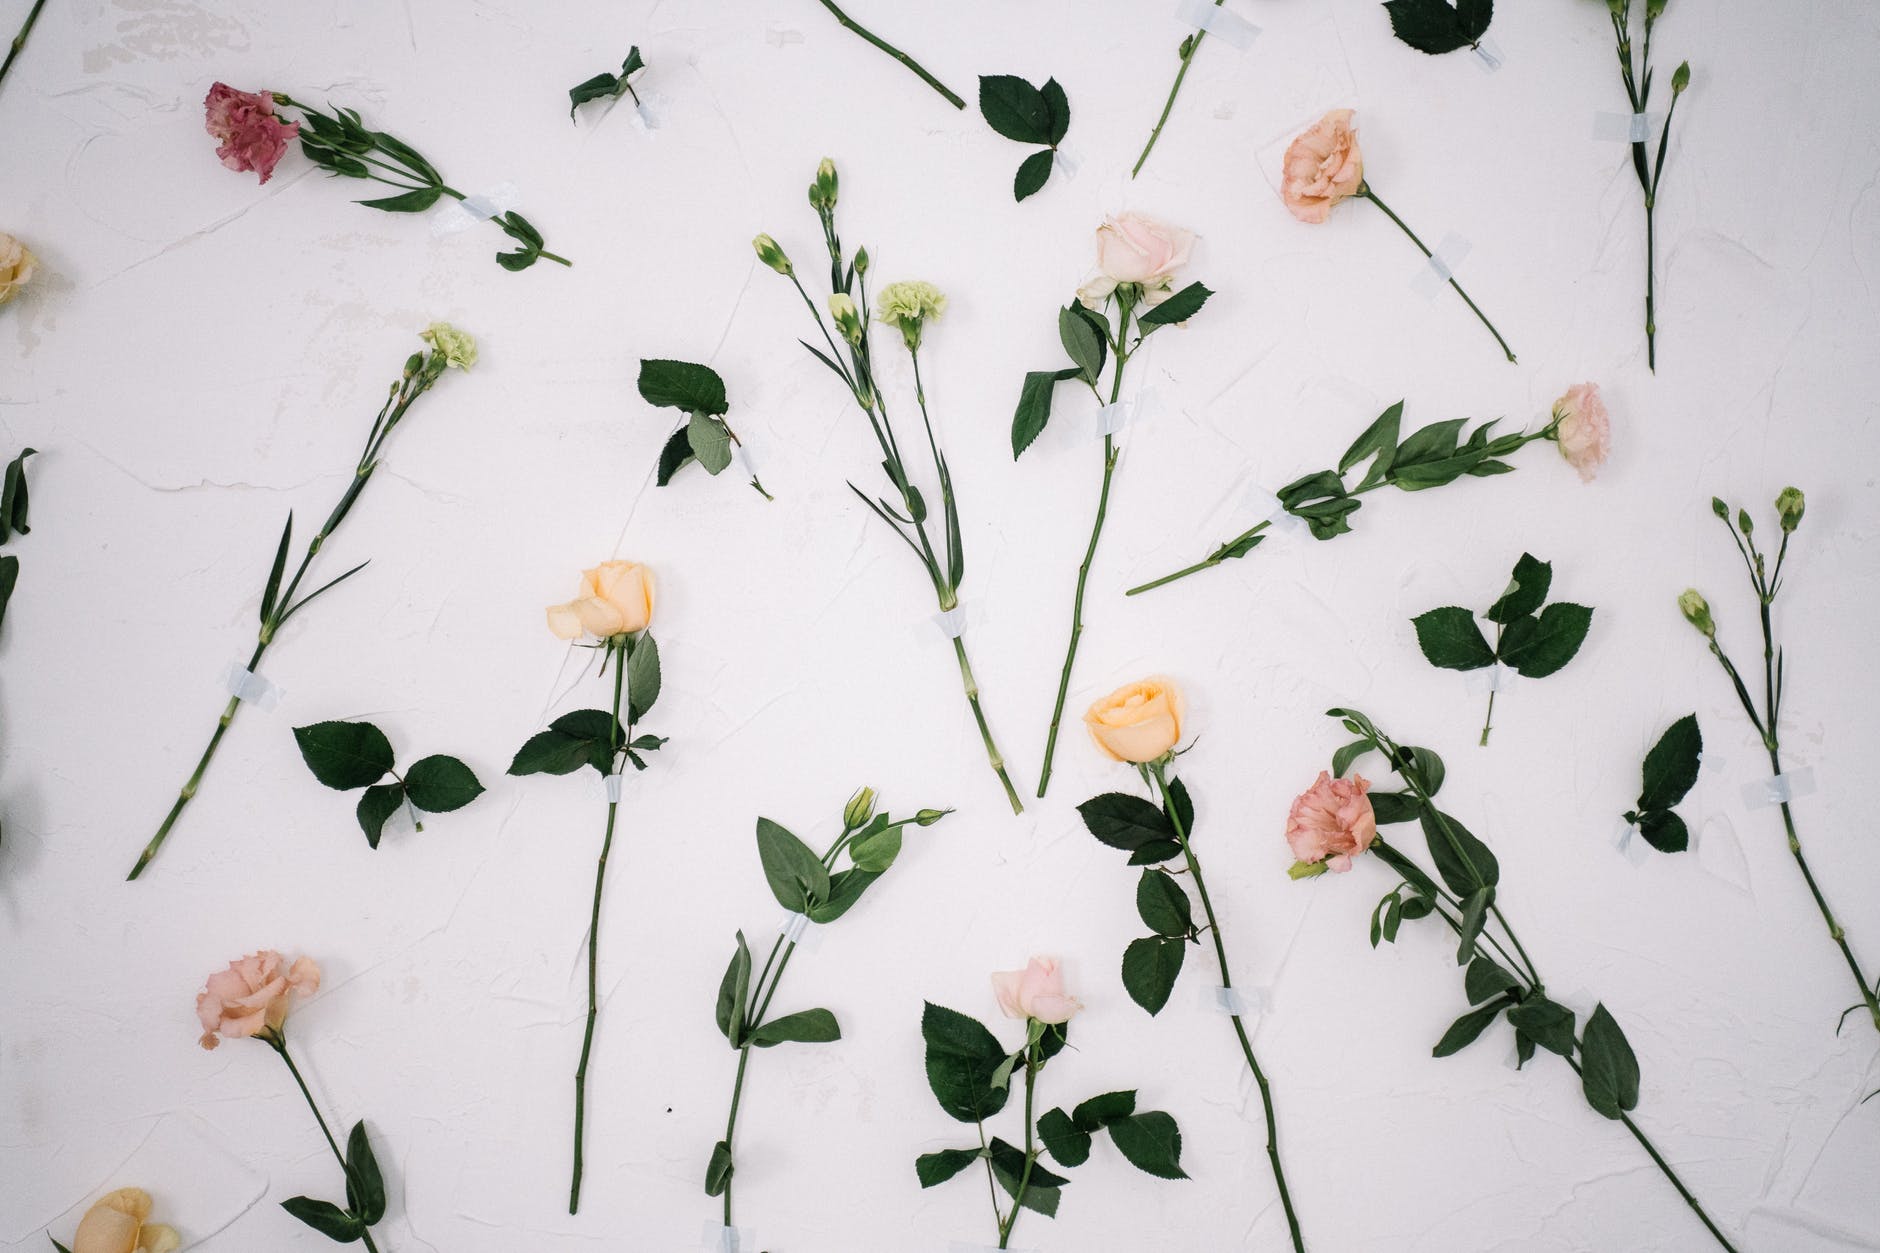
1240,1029
1031,1149
985,730
731,1122
280,1046
195,778
894,52
19,40
1191,45
1364,189
1213,559
593,947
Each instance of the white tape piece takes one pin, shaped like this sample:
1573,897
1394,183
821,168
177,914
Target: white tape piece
778,38
1720,853
952,622
1496,677
718,1238
1624,128
1247,1002
1780,789
1631,845
651,112
404,819
250,688
1266,507
614,783
1710,762
1438,270
798,929
1230,28
460,215
745,461
1488,56
1067,160
1112,417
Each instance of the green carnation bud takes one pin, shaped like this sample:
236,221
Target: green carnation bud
1696,611
1654,9
1789,505
927,817
772,255
860,809
1719,508
822,192
1682,78
861,260
848,317
1744,522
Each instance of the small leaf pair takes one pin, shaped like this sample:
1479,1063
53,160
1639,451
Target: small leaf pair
698,392
348,755
606,86
1670,772
1150,835
365,1196
1029,115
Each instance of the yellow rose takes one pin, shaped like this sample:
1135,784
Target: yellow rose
16,267
1138,722
616,599
116,1225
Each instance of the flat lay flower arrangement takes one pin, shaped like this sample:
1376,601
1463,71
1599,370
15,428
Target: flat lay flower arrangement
759,997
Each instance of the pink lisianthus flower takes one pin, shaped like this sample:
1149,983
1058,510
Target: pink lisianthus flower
251,136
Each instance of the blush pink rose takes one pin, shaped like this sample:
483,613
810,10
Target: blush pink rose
1037,991
1332,821
1132,248
1322,167
252,996
251,137
1583,429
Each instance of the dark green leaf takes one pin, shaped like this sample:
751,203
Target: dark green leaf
365,1186
1100,1111
1664,831
1015,109
60,1247
676,452
1671,766
1060,106
1379,440
9,579
345,755
719,1169
580,738
440,784
1435,27
1084,342
1464,861
1034,406
1150,967
1450,639
1152,1143
1474,914
1433,443
1064,1139
1042,1186
1485,979
939,1167
273,588
1181,812
1163,904
845,888
1183,305
876,850
642,677
732,990
1464,1030
796,875
808,1026
683,385
1427,474
1608,1067
1422,766
1033,173
376,807
326,1218
1547,1023
1124,821
1537,647
1526,591
961,1058
1394,807
405,202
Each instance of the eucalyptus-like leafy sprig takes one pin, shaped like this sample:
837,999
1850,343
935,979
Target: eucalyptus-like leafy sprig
341,143
812,887
706,437
1028,115
605,86
1500,979
1531,640
350,755
281,598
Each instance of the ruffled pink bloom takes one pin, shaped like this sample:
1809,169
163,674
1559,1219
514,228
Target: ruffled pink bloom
1037,991
1332,821
1322,167
251,137
1583,429
253,996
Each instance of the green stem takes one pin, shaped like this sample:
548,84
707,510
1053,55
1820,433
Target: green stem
1364,190
1193,44
894,52
731,1123
1227,981
985,731
195,779
1213,559
1031,1150
279,1045
19,40
1489,721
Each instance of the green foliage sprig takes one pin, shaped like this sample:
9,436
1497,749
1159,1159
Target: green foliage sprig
698,392
1531,640
605,86
1670,772
1029,115
805,884
350,755
1437,26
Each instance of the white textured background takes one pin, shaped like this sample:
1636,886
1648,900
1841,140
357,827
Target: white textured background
202,355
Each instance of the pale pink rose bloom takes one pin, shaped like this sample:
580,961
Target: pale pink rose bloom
1132,248
252,138
1584,430
616,598
116,1224
253,995
1322,167
1332,821
1037,991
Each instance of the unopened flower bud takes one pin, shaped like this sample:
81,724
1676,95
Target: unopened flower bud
861,260
848,317
1696,611
927,817
1682,78
413,364
772,255
1744,522
822,192
1789,506
1719,508
860,809
1654,9
1306,869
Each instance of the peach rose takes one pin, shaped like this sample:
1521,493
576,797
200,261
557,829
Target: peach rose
1138,722
616,599
1132,248
1037,991
1582,429
1332,820
252,996
1322,167
116,1224
17,266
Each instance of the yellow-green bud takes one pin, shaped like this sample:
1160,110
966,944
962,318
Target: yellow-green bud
1618,7
927,817
822,192
1682,78
848,317
1789,506
1654,9
1306,870
1744,522
772,255
1696,611
1719,508
860,809
861,260
414,363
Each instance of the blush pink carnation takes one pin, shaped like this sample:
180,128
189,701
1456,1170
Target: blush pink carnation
1583,429
1037,991
252,996
1332,822
1322,167
251,136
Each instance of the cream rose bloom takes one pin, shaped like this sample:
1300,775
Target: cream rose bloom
616,598
116,1224
1037,991
1138,722
17,267
1132,248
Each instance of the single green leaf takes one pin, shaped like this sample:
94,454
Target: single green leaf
732,990
710,440
1084,342
365,1185
1163,904
1450,639
796,875
1411,872
961,1058
1537,647
1671,765
1664,831
1042,1186
1064,1139
552,752
326,1218
1060,106
440,784
405,202
1464,861
719,1169
1436,27
876,851
1124,821
1430,444
1422,766
1181,811
675,453
1150,967
60,1247
1527,590
1152,1143
1486,978
376,806
1394,807
939,1167
845,888
1547,1023
1101,1111
279,567
1179,307
1378,441
683,385
808,1026
345,755
1033,173
1608,1067
1034,406
1464,1030
642,676
1474,915
9,579
1015,109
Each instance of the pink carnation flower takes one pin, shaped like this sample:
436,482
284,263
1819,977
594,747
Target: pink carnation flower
1332,821
252,138
1583,429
